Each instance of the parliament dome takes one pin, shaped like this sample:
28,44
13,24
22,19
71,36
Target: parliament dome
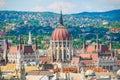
61,33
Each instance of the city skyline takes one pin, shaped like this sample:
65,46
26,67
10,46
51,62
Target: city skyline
68,6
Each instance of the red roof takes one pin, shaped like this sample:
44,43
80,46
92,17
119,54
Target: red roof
87,55
13,50
103,48
75,59
91,48
28,49
60,33
87,62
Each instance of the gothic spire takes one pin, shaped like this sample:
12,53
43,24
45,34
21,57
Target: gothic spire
84,43
61,19
30,39
21,43
97,42
36,43
21,40
110,47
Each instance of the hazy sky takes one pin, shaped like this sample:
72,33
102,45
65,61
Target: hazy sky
68,6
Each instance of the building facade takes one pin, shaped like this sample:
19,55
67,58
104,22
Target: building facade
28,52
60,44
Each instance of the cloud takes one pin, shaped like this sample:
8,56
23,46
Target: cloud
113,1
89,8
38,9
65,6
2,2
56,7
78,6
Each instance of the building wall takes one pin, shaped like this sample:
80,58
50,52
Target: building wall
61,50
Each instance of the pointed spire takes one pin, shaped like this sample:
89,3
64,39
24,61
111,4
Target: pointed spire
61,19
21,42
97,42
84,45
30,39
36,43
110,47
21,39
6,58
6,44
97,39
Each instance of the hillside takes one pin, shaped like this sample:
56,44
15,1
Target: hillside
41,24
51,19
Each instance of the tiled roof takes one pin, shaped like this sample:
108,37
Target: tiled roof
60,33
28,49
13,50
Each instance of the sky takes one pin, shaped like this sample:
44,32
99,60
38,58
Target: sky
67,6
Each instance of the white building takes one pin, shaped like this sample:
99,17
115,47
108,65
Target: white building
60,44
28,52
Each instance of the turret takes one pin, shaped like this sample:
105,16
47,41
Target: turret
36,44
111,49
110,46
6,44
97,43
84,44
21,44
30,39
6,48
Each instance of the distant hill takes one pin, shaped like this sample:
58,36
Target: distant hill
51,19
113,15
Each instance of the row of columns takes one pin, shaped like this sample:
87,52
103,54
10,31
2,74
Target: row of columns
61,51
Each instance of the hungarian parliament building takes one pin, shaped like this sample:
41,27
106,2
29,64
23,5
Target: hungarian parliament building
62,54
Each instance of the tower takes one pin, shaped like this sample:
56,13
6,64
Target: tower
20,69
61,43
35,44
18,66
21,44
111,49
6,49
110,46
30,39
97,43
84,44
36,49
